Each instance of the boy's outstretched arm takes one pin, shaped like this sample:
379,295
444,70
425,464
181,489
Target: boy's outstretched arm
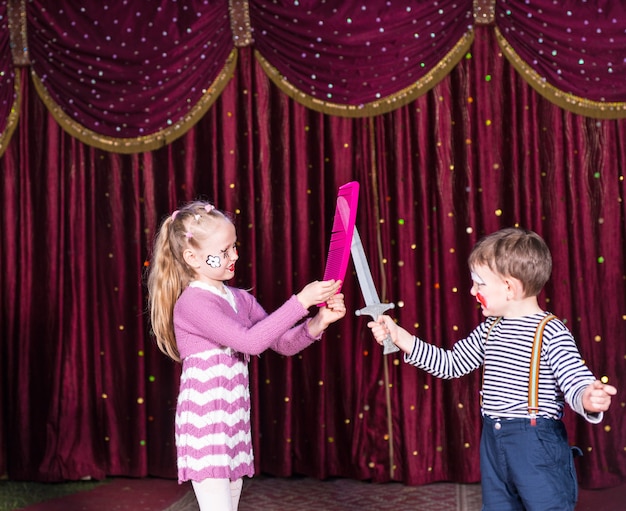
597,397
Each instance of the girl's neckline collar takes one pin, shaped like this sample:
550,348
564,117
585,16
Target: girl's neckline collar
208,287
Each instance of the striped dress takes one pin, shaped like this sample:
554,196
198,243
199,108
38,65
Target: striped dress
215,336
506,355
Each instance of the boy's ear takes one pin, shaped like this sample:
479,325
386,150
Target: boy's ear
515,288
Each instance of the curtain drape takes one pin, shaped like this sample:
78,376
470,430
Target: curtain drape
132,77
85,392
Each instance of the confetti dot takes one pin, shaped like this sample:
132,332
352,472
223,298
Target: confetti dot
600,259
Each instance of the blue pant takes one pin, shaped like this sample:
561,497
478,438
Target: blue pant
525,467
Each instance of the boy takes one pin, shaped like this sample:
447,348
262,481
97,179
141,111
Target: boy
525,459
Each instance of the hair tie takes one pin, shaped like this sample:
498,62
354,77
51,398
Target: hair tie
189,234
209,207
174,215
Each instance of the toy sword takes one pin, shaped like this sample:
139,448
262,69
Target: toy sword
373,307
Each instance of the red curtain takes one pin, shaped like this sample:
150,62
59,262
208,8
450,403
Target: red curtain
84,390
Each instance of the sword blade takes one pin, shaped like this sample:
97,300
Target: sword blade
363,273
373,307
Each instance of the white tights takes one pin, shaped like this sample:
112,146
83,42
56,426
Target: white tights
218,494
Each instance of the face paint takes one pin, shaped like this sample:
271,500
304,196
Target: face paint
476,278
214,261
481,299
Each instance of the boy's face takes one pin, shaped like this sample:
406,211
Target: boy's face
491,291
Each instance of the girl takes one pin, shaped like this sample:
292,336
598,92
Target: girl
213,329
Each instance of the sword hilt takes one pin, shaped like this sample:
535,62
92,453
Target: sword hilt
374,310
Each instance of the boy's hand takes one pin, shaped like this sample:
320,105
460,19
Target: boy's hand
597,397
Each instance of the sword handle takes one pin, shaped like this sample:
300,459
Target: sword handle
374,310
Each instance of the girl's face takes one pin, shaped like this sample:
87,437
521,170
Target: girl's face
490,290
216,257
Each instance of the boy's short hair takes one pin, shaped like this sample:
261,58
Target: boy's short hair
517,253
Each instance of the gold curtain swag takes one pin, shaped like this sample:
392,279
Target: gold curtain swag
148,142
14,116
381,106
569,102
242,34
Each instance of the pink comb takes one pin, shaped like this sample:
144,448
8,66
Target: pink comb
343,228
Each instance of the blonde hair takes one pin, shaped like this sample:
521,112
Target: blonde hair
168,273
517,253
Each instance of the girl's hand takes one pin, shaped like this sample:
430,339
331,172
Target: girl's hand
318,292
334,310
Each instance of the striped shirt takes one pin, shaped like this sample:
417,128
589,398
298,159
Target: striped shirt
505,356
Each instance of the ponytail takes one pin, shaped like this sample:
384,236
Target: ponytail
166,282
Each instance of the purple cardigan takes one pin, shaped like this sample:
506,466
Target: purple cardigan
213,437
204,320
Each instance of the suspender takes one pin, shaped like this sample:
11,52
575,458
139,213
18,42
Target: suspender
533,375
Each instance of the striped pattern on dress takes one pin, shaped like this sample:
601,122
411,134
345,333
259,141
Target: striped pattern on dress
213,417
